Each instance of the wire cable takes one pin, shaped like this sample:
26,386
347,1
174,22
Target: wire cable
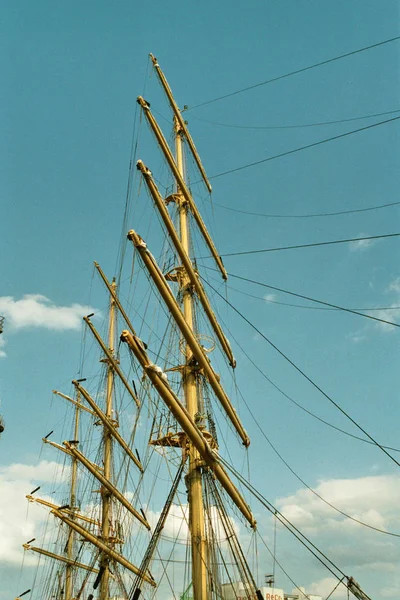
303,374
313,245
335,508
335,306
301,537
282,519
302,70
290,304
319,124
306,147
305,216
293,401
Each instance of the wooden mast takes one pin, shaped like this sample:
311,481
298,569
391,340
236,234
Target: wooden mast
107,455
190,370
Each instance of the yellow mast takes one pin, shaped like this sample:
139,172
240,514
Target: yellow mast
73,507
194,477
107,455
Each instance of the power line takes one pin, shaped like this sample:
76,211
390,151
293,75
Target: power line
305,216
303,374
301,537
288,152
301,126
263,299
293,401
313,66
281,518
335,508
313,245
336,306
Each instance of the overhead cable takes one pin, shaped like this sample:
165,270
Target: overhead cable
302,126
313,245
305,216
303,374
302,70
303,306
301,537
335,508
336,306
306,147
293,401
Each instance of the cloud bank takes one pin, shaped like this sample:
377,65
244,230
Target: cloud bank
35,310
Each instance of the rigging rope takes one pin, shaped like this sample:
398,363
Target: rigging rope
302,70
301,148
303,374
335,306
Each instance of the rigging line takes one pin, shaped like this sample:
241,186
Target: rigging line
278,563
284,520
397,535
307,216
335,306
265,376
313,245
315,385
319,124
302,70
335,588
377,308
295,150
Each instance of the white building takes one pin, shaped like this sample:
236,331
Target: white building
237,591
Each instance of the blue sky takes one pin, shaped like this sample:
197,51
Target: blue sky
70,77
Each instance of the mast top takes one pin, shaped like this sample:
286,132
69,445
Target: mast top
182,124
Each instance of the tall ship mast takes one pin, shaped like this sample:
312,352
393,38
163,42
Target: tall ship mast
148,505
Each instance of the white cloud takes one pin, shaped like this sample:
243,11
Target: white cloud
389,315
372,499
368,555
361,245
385,315
35,310
394,286
2,344
325,586
270,297
177,527
20,522
356,337
44,471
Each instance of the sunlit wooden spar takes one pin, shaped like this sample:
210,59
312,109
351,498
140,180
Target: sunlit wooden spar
182,125
103,547
186,262
177,172
187,331
112,490
187,423
112,362
68,511
108,424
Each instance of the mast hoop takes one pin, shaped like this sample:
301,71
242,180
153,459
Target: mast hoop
203,339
